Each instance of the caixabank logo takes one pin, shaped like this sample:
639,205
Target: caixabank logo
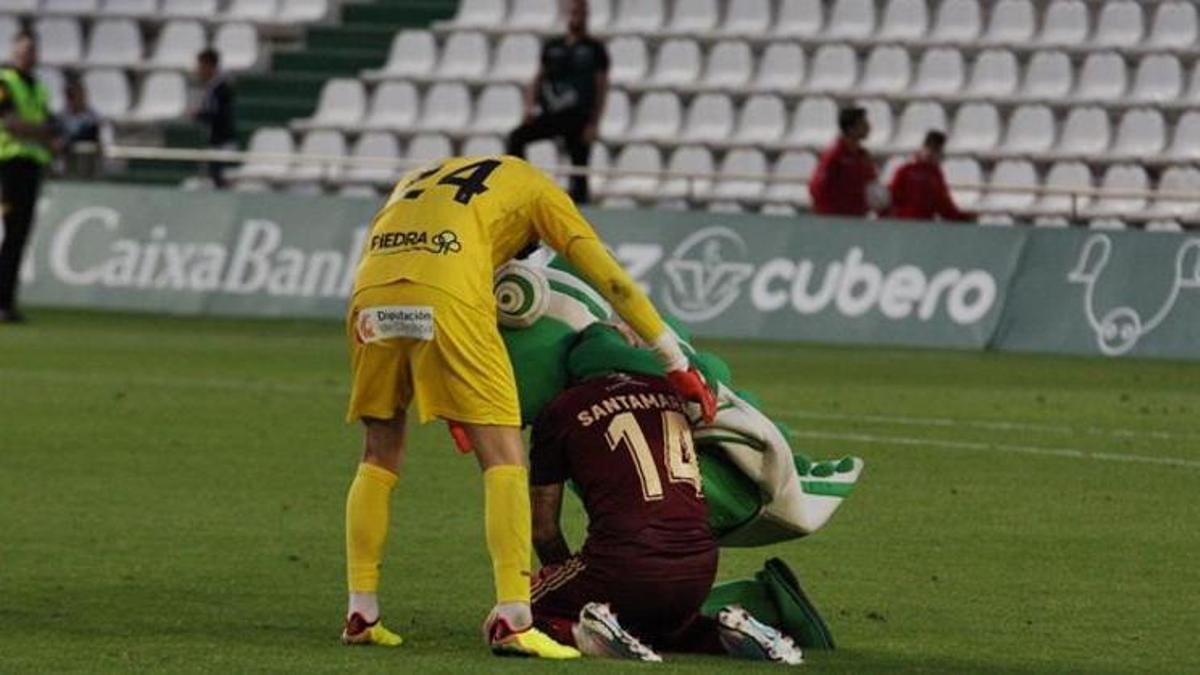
714,269
1119,328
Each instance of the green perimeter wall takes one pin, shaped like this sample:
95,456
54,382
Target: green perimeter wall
806,278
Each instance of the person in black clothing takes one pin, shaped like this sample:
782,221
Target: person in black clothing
27,136
79,124
216,110
566,98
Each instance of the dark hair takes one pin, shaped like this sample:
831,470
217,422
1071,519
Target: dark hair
935,140
849,118
209,57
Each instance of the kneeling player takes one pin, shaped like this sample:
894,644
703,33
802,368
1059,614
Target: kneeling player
649,556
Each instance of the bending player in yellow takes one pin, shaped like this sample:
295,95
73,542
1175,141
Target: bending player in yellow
422,327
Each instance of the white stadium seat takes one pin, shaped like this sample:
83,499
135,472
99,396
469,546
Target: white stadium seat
879,113
635,158
394,106
976,128
108,91
735,170
891,166
1159,79
55,82
917,120
413,54
1031,131
70,7
963,171
794,168
532,15
464,56
163,97
780,68
688,159
428,147
694,17
747,18
189,9
1120,24
1066,23
1178,181
799,18
599,15
761,120
238,45
834,68
638,16
475,146
516,58
480,14
19,6
657,116
1048,76
1085,132
615,121
1009,174
342,104
598,160
322,143
258,11
302,11
888,70
814,123
1103,78
8,30
1066,176
709,119
995,74
377,145
1140,133
1013,22
114,42
904,21
941,72
1185,142
677,63
958,21
60,41
729,65
1174,27
267,141
446,107
1121,177
629,60
498,109
851,19
177,45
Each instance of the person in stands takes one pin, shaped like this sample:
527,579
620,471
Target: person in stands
842,180
919,190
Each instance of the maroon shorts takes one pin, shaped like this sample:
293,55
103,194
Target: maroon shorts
659,612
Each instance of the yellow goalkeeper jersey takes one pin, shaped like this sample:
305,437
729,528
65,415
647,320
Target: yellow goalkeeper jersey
452,223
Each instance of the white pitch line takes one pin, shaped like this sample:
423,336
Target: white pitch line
1071,453
991,425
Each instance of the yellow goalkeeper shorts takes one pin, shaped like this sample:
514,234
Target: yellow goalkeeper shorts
412,342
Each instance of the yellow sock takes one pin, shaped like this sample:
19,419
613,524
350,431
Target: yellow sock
509,530
367,508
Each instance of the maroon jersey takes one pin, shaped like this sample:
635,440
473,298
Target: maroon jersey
625,442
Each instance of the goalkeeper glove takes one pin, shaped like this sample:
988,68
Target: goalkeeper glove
690,385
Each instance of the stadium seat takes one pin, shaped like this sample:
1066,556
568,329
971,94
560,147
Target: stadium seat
687,159
177,45
994,75
709,119
976,129
325,143
1174,27
799,18
55,82
735,171
476,14
891,166
163,97
413,54
60,41
780,68
257,11
114,42
657,116
1140,133
629,61
544,155
1107,224
188,9
1163,226
638,16
517,58
851,19
266,141
917,120
1121,177
378,145
1031,131
19,6
1048,77
958,22
887,70
465,56
498,110
814,123
879,113
761,120
963,171
1159,79
1178,181
1010,173
341,105
1103,78
615,122
428,147
1185,142
1065,24
694,17
904,21
789,174
677,64
635,158
108,92
834,69
729,66
70,7
302,11
8,30
1066,176
446,107
238,45
475,146
941,72
598,161
1120,24
394,107
1013,22
536,15
747,18
1086,132
599,15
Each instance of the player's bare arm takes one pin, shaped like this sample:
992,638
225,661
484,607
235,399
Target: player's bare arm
548,541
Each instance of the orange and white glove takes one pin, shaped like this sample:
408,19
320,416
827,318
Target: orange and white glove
690,385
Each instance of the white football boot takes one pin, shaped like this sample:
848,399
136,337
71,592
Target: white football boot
598,633
745,637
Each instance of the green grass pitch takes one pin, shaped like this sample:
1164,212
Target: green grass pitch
171,496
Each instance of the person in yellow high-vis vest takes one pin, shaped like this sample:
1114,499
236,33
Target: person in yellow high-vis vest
26,136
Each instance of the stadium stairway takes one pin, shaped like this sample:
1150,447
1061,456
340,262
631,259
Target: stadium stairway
359,38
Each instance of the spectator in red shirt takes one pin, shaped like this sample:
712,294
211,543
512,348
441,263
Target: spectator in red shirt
919,189
839,185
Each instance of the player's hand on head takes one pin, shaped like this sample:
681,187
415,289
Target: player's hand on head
690,385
